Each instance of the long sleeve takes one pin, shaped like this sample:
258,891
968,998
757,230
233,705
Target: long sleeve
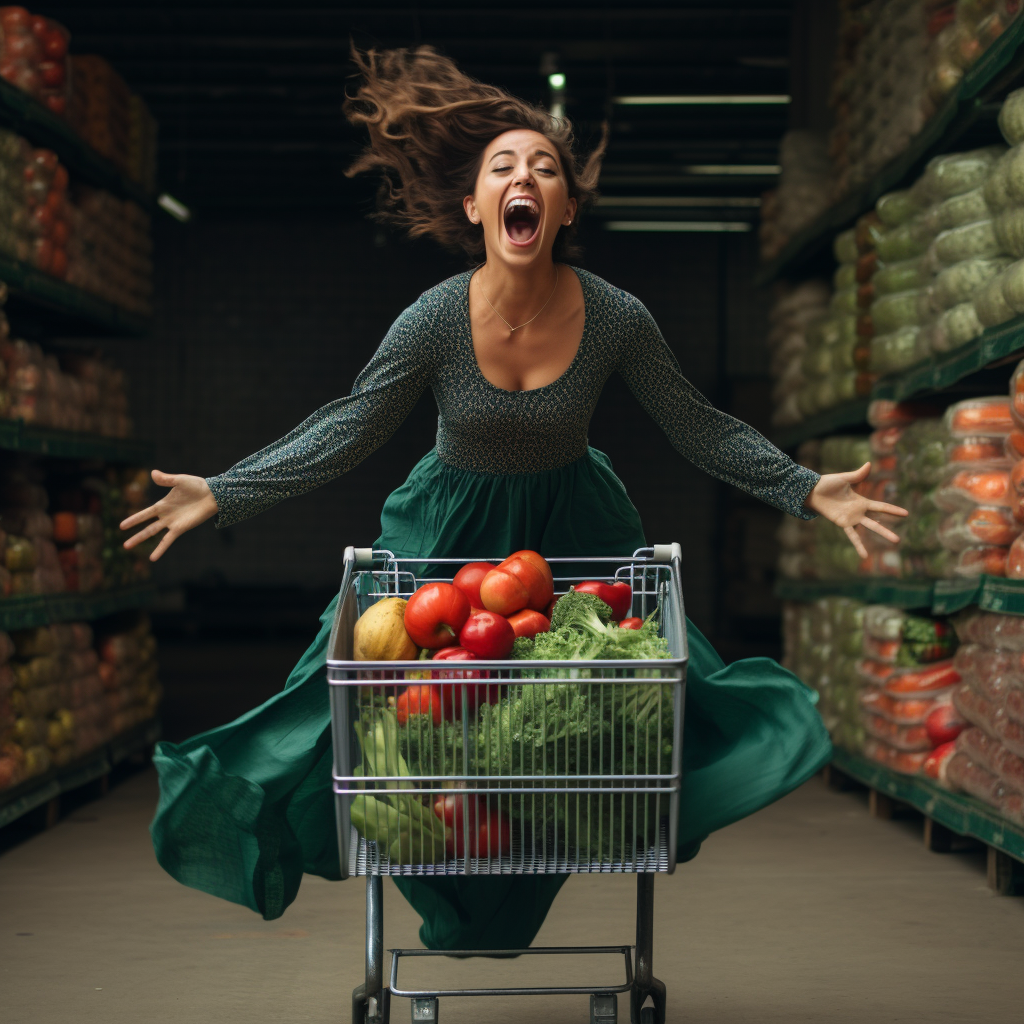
341,434
714,441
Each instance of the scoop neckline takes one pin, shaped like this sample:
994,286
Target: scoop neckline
544,387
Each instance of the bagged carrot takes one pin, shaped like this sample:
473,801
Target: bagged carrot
964,529
980,416
966,488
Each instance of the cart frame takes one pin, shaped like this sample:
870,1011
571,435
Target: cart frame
370,575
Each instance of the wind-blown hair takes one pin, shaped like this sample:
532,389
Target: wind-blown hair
429,124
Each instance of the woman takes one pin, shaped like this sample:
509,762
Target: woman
516,353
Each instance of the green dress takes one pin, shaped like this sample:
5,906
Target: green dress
246,808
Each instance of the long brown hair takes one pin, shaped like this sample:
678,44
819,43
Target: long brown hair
429,125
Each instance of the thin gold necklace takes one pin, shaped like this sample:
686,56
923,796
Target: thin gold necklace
532,318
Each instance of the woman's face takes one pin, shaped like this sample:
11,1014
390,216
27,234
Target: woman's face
521,197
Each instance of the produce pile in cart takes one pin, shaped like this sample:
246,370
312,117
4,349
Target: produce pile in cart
528,753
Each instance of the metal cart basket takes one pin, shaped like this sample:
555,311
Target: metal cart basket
508,767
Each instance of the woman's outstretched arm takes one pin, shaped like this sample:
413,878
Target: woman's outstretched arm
332,441
731,450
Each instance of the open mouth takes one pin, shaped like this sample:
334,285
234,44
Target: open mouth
522,220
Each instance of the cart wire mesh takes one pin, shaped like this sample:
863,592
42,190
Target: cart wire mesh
508,767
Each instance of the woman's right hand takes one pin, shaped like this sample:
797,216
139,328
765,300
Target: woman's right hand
188,503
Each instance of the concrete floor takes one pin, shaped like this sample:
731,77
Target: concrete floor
809,911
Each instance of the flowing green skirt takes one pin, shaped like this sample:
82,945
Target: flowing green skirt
246,808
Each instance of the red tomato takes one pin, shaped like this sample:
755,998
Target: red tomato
55,43
490,834
529,623
469,578
537,561
537,584
633,623
451,693
419,700
503,593
618,596
435,614
14,18
487,635
51,73
550,610
59,262
944,724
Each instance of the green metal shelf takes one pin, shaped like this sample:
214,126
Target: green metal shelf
994,346
961,814
28,117
43,609
16,436
72,308
839,417
942,597
42,789
985,81
898,593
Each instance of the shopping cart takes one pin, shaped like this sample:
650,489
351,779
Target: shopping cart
537,766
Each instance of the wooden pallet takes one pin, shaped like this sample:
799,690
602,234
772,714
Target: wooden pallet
1005,874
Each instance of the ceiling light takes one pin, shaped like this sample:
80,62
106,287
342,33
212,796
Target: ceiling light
751,202
557,80
751,170
703,226
703,101
177,209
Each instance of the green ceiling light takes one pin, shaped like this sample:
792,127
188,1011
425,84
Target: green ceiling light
556,80
751,202
177,209
749,170
765,100
697,226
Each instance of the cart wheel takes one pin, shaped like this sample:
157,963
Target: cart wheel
359,1005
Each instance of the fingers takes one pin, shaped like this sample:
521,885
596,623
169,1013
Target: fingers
139,517
168,539
857,476
856,541
164,479
150,531
881,506
878,528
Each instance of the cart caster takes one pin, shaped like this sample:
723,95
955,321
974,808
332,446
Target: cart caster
651,1014
359,1005
604,1008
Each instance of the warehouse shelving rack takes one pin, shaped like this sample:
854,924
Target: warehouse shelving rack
983,83
48,307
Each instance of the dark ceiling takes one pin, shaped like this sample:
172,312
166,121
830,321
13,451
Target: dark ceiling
248,93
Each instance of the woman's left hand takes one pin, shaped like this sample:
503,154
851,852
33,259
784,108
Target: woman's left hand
834,498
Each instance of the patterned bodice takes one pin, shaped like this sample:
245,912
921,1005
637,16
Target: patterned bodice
486,429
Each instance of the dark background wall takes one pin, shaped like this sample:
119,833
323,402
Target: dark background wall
260,322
